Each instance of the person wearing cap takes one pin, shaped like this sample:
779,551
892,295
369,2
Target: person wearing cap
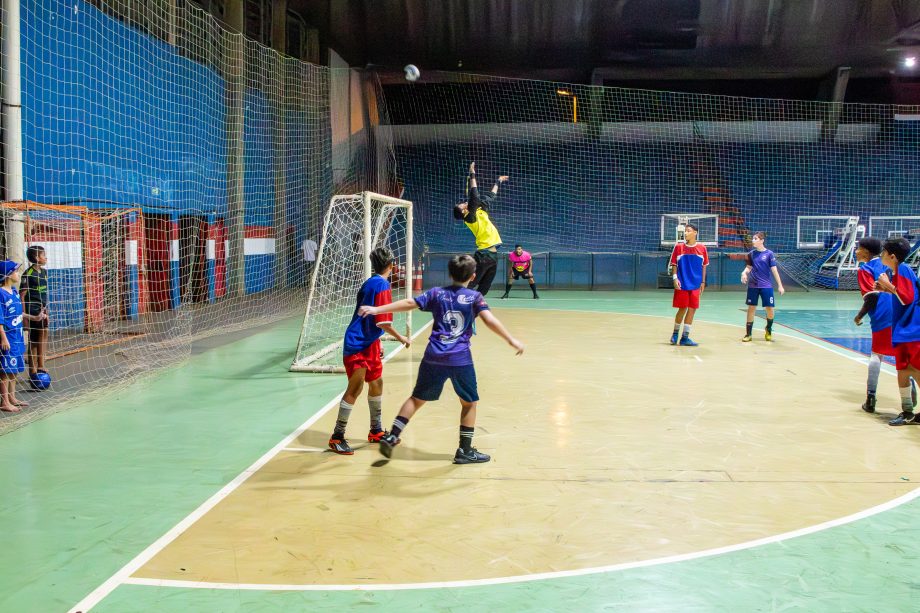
12,344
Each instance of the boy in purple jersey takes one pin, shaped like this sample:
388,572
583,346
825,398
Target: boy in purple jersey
448,355
362,353
761,263
905,318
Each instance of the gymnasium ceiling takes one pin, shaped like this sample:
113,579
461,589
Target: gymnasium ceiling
622,40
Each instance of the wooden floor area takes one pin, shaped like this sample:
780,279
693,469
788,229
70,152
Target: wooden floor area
609,446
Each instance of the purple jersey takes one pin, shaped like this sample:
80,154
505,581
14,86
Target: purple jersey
760,262
453,310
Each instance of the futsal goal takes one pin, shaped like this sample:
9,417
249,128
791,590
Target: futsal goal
353,226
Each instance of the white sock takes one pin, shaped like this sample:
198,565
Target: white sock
875,367
686,330
907,404
375,404
341,421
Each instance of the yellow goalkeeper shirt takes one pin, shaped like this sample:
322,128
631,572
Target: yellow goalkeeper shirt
483,229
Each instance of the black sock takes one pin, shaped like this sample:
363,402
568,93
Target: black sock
533,288
769,325
466,438
750,328
507,288
399,425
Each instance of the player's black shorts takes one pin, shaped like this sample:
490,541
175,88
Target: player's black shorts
521,274
431,380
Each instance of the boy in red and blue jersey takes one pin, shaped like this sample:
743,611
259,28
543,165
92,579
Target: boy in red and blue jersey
689,260
905,320
362,353
448,356
877,305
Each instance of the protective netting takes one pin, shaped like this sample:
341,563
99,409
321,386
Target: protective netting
602,169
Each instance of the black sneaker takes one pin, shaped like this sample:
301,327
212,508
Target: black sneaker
473,456
869,405
387,443
535,297
340,445
505,295
905,418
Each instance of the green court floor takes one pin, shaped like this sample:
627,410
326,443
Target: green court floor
88,489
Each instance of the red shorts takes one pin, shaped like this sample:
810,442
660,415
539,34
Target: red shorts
907,354
371,359
686,299
881,342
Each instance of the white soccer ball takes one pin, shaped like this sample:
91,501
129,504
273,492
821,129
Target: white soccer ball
412,72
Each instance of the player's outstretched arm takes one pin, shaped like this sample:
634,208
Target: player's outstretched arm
399,306
779,281
388,328
745,273
492,322
498,182
472,176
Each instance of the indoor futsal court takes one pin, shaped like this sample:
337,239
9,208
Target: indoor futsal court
652,497
505,305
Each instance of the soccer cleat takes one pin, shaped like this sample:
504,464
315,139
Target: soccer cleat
536,297
340,446
768,335
686,342
505,295
904,418
913,392
747,338
674,338
374,437
473,456
869,405
387,442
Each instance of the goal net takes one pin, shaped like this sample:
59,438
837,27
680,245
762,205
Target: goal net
354,225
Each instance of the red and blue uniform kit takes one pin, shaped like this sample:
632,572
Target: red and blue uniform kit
880,316
689,262
362,348
905,318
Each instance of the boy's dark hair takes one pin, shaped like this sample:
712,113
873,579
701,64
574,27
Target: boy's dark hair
898,247
870,244
516,246
458,212
381,257
32,253
759,234
461,267
691,225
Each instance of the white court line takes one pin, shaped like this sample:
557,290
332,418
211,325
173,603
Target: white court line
94,597
124,575
270,587
698,358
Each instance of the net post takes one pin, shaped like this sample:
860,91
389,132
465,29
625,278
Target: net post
409,273
368,238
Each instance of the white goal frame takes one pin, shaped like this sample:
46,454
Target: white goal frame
371,233
669,237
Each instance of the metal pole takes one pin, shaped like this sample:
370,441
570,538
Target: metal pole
12,128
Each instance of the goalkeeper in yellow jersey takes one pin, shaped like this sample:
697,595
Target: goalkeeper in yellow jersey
475,214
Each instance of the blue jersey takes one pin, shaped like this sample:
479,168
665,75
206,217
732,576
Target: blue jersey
761,263
453,309
690,262
363,332
905,307
880,316
12,320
